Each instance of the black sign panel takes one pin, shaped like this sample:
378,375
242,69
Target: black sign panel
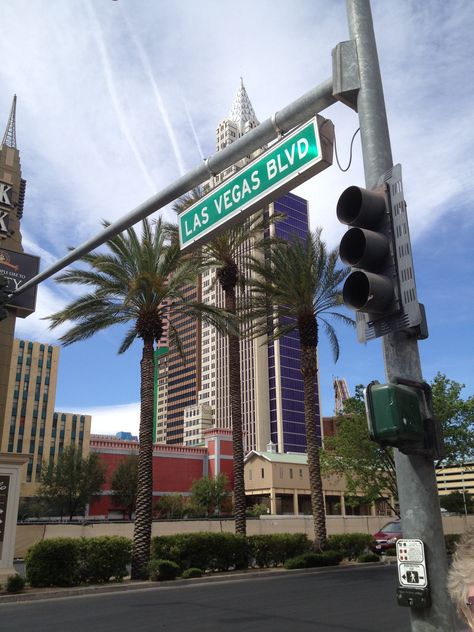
4,485
19,268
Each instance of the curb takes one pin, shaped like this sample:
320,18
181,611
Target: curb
40,594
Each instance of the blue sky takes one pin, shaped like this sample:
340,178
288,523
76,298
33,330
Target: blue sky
118,99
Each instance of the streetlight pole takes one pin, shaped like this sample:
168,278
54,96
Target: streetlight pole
416,478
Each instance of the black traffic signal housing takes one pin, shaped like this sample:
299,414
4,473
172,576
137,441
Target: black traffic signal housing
366,247
5,297
381,286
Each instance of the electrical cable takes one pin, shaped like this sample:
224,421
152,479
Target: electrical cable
350,154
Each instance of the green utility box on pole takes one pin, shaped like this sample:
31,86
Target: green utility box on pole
394,415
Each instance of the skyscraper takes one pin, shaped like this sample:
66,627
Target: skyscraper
12,193
33,427
272,385
28,370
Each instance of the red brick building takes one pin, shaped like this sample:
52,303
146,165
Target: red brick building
175,467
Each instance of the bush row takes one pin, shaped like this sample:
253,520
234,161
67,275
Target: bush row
224,551
73,561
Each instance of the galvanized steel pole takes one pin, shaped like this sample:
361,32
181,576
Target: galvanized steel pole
418,495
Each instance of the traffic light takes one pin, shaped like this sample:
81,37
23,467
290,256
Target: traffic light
381,286
366,247
5,296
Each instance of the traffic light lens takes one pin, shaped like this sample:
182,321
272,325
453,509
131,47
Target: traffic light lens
363,248
348,205
367,292
359,207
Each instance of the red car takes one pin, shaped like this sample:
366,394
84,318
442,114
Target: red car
388,535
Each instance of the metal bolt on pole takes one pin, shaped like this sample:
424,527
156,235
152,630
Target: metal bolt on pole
416,478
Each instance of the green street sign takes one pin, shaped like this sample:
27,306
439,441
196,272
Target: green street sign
294,159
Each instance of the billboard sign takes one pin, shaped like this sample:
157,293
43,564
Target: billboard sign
18,268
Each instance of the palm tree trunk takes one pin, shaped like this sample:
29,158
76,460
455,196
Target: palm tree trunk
236,412
309,370
143,515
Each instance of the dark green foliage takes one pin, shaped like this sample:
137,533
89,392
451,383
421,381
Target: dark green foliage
124,485
209,551
391,552
171,507
189,573
71,561
15,583
457,502
275,549
451,540
53,562
104,558
368,557
71,480
351,545
163,570
255,511
208,494
312,560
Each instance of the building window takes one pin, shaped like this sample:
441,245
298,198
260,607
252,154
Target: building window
263,472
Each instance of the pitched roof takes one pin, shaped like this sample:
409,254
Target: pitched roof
278,457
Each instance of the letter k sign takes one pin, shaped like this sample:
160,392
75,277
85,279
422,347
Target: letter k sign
3,222
5,193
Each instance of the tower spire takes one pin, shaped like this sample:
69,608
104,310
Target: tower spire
9,138
242,111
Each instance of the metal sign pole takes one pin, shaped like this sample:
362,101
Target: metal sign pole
418,495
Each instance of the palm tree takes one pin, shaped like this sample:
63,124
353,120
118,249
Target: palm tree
139,282
301,281
230,254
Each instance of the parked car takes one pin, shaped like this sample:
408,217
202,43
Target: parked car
388,535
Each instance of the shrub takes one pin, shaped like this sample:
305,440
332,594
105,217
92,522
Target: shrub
391,552
189,573
275,549
255,511
351,545
15,583
53,562
312,560
209,551
103,558
162,570
368,557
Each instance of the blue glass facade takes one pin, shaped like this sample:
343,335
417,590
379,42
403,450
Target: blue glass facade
291,380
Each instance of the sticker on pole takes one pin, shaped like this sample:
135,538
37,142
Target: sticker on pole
411,563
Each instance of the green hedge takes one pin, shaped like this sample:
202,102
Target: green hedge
104,558
312,560
163,570
224,551
191,573
53,562
351,545
275,549
15,583
208,551
71,561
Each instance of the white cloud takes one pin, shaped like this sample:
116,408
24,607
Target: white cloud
113,419
87,94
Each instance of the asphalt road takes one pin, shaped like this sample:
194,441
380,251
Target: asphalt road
355,599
